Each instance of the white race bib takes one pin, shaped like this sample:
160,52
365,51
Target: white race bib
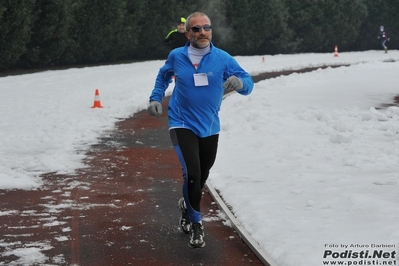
201,79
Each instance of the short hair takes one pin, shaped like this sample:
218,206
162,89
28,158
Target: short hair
195,14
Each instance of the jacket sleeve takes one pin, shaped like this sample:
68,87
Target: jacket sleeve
169,38
234,69
162,81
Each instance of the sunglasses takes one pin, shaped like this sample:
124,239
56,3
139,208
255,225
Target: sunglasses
199,28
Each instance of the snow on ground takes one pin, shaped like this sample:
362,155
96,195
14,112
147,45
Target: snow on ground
308,162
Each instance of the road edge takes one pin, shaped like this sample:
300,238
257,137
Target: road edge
245,236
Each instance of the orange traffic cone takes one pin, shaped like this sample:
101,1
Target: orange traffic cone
336,51
97,103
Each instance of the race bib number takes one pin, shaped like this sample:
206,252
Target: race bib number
201,79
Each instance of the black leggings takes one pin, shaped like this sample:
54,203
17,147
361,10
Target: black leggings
197,156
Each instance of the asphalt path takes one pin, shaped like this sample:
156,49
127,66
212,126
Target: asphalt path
120,210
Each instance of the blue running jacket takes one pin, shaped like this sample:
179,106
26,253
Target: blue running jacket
197,107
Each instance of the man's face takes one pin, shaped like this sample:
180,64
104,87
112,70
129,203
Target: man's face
181,27
199,37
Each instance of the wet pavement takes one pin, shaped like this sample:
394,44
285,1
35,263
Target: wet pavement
120,210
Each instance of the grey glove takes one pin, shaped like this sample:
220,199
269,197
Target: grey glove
233,83
155,108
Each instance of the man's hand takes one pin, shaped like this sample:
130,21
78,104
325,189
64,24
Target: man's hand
155,108
233,83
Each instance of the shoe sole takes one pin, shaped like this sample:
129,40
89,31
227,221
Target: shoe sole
183,222
196,245
184,226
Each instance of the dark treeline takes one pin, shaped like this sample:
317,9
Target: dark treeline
48,33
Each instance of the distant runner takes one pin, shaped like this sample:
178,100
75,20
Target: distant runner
383,37
177,37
